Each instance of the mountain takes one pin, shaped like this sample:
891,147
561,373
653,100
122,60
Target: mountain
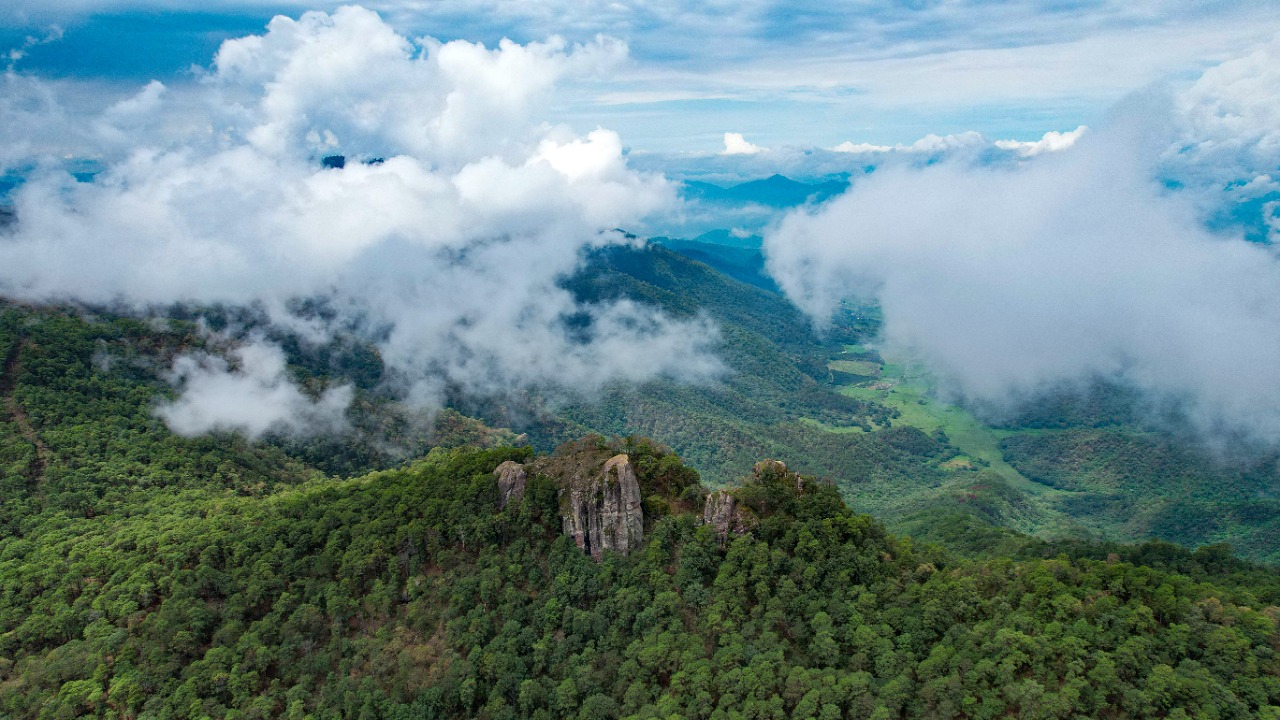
774,191
745,264
395,573
776,386
1075,467
425,592
730,239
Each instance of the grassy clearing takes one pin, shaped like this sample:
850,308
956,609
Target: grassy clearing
907,389
959,462
865,368
837,429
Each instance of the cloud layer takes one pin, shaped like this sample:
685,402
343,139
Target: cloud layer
1076,264
443,238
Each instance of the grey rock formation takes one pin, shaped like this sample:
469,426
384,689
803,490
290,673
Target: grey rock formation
601,510
723,513
511,481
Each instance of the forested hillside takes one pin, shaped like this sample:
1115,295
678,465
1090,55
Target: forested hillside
1082,466
777,381
408,593
145,575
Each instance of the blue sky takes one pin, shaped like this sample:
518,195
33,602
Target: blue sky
781,73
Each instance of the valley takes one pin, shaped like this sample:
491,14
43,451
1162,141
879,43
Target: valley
457,565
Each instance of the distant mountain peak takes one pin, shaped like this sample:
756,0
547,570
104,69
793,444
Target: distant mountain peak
777,190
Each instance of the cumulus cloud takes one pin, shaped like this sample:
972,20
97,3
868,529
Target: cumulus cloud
1052,141
848,146
444,238
736,144
1227,131
254,397
930,144
1230,117
1073,265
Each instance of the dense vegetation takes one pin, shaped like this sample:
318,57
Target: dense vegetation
145,575
745,264
1150,484
778,381
77,434
1071,464
407,593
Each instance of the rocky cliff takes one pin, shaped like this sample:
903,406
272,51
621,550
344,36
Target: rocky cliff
726,516
607,489
511,481
601,510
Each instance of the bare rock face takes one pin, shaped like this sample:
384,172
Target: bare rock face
601,510
511,480
723,513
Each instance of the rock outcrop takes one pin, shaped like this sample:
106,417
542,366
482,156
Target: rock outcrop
726,516
511,481
601,510
771,469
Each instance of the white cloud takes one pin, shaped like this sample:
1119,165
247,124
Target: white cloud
931,144
848,146
374,90
1052,141
735,144
1074,264
898,67
254,397
449,251
1232,110
942,143
1228,127
967,67
647,97
1258,186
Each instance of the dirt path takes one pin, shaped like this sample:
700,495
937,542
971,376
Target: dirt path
9,382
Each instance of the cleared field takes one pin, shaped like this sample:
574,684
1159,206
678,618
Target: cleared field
866,368
907,389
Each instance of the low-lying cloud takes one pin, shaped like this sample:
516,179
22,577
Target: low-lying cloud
1007,280
741,161
253,398
444,237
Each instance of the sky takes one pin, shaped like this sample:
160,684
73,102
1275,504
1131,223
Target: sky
1041,193
778,72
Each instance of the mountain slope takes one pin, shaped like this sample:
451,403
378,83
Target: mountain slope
79,386
745,264
408,593
777,381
